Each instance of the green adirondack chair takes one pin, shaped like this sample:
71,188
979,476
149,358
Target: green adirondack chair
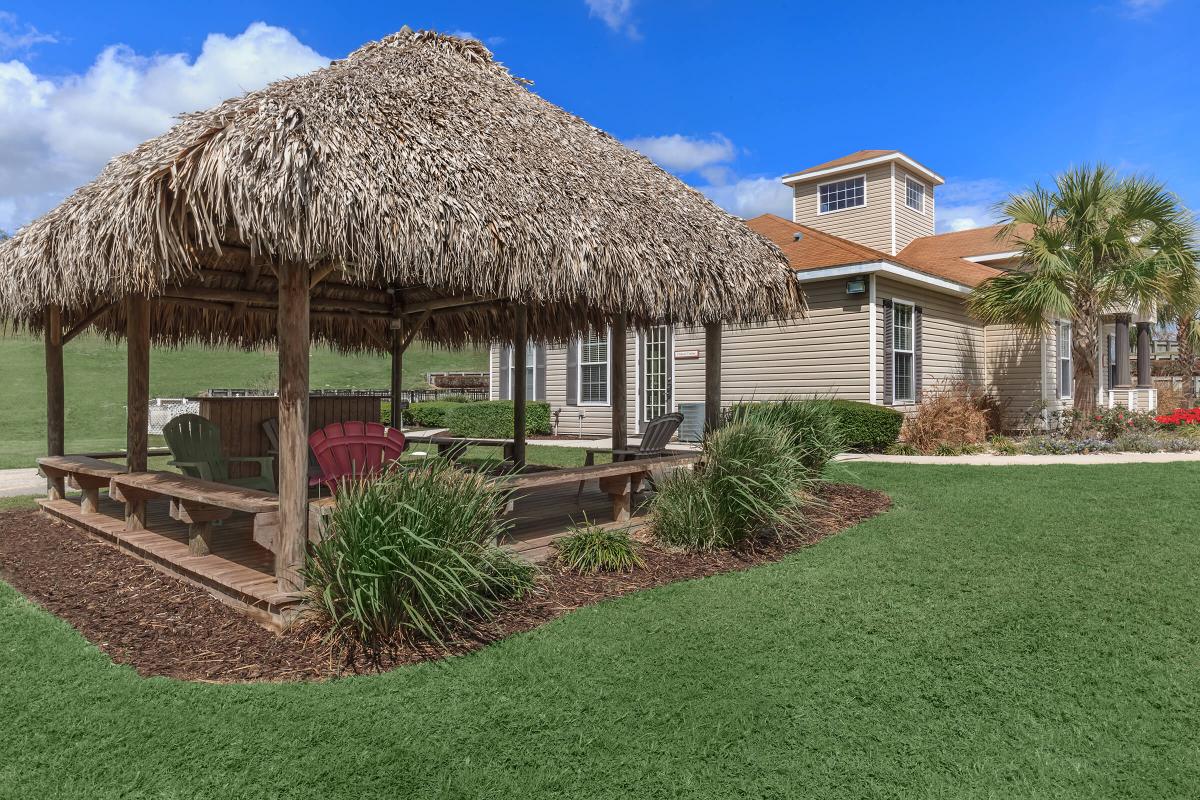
195,444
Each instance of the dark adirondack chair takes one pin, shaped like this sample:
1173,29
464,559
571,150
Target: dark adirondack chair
195,444
653,444
271,429
347,450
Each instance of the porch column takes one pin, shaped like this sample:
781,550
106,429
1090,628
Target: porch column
519,353
712,376
620,383
293,335
1144,380
55,404
137,382
1121,333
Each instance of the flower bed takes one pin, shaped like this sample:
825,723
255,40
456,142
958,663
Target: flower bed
1178,417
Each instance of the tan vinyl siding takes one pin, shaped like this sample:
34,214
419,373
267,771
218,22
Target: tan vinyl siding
593,420
826,354
911,224
1015,369
952,343
870,225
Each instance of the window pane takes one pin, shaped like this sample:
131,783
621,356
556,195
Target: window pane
593,383
903,386
902,327
842,194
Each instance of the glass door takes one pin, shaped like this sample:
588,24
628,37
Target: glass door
656,372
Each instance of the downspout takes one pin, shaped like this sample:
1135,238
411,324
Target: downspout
872,368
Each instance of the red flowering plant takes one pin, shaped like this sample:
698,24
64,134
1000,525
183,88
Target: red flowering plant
1109,423
1179,417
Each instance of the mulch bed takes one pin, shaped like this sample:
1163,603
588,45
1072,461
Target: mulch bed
162,626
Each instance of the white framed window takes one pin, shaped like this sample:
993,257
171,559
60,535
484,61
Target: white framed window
840,195
904,383
593,369
1062,348
914,194
531,359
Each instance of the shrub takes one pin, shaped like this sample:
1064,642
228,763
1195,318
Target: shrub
411,553
813,426
493,419
431,413
902,449
589,549
950,416
1049,445
1004,446
1137,442
867,428
750,480
1109,423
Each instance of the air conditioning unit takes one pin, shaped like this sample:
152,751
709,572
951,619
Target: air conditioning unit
692,427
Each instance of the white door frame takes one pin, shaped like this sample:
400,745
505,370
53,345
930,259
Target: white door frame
669,358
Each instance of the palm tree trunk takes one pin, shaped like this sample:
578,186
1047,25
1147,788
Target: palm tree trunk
1085,333
1186,359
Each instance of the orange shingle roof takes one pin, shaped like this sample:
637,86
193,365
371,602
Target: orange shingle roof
817,250
853,158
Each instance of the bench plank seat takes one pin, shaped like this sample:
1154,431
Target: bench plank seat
88,475
199,503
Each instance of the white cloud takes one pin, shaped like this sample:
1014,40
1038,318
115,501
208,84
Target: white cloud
684,153
1142,8
750,197
965,203
56,134
15,37
616,14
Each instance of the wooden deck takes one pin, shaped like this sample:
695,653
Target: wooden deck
240,573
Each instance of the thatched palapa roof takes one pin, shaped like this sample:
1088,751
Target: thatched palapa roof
418,165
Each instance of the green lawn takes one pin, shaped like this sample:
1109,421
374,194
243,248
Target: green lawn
95,384
1002,633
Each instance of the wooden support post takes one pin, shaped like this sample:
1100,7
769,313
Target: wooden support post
137,381
55,402
519,380
620,491
712,376
620,383
293,336
397,377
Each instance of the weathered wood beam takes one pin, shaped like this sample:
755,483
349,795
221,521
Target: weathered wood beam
294,339
519,353
55,398
137,381
86,322
264,299
319,274
415,328
620,379
712,376
442,304
253,275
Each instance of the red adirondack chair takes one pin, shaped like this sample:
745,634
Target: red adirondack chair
354,449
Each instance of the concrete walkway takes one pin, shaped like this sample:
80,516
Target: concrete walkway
20,482
990,460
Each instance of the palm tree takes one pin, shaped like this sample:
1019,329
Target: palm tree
1092,242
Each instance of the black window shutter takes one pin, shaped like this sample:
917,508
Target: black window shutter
887,352
573,373
505,360
539,358
918,313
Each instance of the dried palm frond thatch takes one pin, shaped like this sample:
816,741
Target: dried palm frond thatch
418,165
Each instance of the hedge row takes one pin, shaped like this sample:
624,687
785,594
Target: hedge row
482,419
867,428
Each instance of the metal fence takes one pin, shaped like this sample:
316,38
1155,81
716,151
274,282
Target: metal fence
165,409
411,395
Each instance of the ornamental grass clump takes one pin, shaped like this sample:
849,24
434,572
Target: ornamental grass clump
750,481
813,424
951,416
589,549
410,555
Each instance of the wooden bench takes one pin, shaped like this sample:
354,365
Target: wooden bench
198,503
619,479
453,447
87,474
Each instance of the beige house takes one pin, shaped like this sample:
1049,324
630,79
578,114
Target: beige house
887,319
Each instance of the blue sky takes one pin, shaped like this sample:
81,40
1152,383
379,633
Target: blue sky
729,96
